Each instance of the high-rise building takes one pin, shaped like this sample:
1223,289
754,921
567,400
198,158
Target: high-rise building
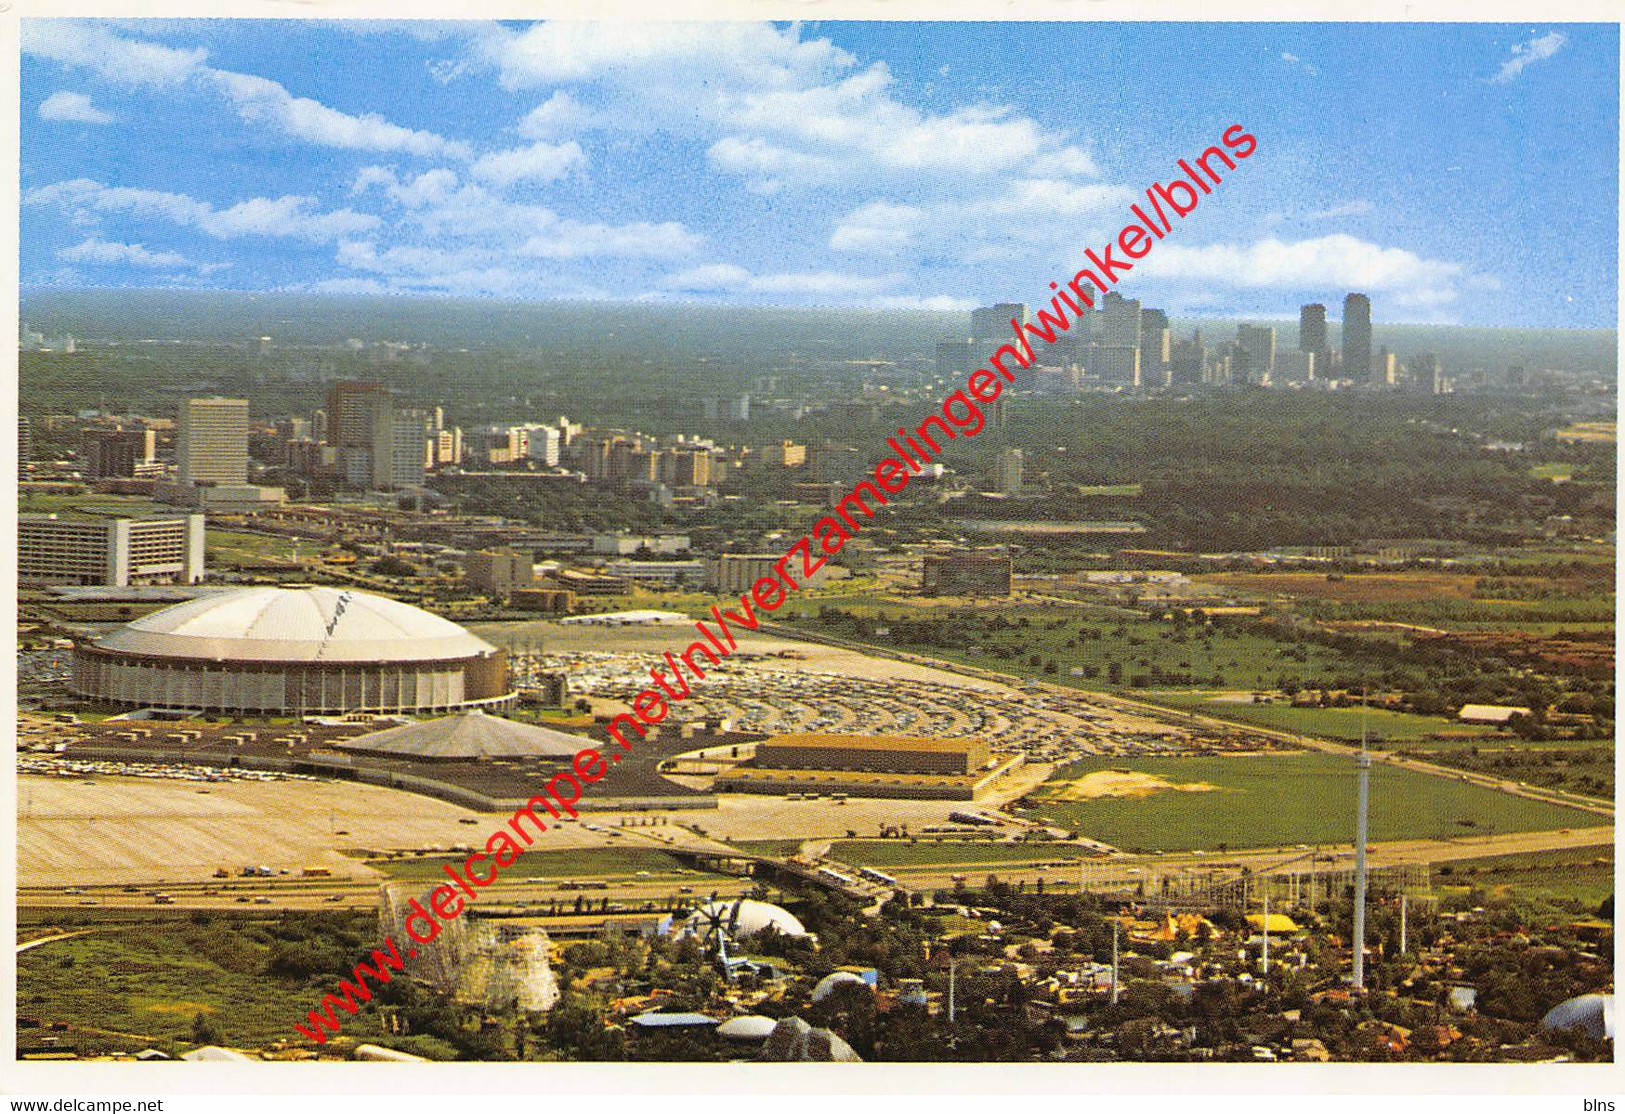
1311,327
1007,472
1294,366
1156,347
1384,369
411,434
1257,346
1114,364
1426,375
117,453
993,322
211,441
956,358
25,444
360,426
1121,321
116,552
1357,337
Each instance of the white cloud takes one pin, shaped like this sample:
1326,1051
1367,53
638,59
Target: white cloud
559,115
103,251
880,227
777,110
540,162
295,217
127,61
1537,49
75,107
940,303
260,100
439,207
115,58
733,279
1355,208
346,286
1327,262
1293,60
567,239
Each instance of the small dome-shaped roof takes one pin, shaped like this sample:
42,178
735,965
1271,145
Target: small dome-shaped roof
826,985
751,1027
295,624
743,917
466,735
1593,1013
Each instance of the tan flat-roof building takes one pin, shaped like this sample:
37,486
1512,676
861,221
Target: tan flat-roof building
873,754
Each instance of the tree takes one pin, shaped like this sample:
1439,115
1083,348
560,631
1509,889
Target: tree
205,1030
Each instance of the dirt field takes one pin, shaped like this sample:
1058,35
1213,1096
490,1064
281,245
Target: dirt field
1407,587
1119,783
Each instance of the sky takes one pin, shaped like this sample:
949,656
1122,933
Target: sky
1456,173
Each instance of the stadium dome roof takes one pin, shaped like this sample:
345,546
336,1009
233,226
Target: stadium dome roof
749,1027
826,985
469,735
749,916
295,624
1593,1013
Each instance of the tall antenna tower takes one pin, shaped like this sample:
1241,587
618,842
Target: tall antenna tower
1363,765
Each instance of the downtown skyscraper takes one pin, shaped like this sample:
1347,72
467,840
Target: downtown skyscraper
1357,338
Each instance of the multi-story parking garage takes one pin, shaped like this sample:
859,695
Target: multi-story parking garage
292,651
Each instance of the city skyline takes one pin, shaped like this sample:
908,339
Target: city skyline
833,164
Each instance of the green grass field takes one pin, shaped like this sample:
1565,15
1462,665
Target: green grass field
602,862
1112,651
885,853
1585,875
1327,723
1287,799
151,981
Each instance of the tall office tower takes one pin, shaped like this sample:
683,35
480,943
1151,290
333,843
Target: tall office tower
1294,366
1007,472
1384,370
1115,364
1357,337
111,453
411,433
1311,327
993,322
956,358
360,427
1257,345
1121,321
1185,361
1156,347
1426,376
211,441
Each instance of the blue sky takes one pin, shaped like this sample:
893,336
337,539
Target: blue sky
1462,173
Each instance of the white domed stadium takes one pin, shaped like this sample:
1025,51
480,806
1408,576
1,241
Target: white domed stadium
742,917
292,651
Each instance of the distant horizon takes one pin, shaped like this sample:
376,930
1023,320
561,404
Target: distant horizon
632,303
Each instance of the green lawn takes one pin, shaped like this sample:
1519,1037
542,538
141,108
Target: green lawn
1286,799
1328,723
1585,875
885,853
584,862
152,982
1111,652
